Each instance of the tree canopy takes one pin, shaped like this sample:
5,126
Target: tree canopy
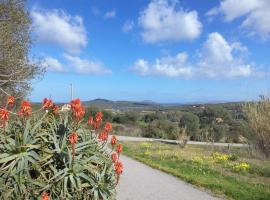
16,68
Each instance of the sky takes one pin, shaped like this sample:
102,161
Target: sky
168,51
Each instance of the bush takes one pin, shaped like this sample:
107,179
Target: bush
258,115
50,154
192,124
233,157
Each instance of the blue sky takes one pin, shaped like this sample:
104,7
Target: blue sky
159,50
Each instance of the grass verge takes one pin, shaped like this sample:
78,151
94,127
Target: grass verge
199,166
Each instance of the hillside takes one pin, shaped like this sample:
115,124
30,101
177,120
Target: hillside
123,105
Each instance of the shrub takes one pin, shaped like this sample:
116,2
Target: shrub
192,124
258,115
233,157
51,154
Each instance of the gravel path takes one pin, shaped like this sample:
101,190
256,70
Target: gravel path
140,182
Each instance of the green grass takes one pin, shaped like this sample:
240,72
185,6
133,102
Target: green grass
218,177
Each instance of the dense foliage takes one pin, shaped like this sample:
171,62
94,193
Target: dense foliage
51,154
258,114
211,123
16,68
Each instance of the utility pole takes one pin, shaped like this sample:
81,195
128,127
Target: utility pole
71,91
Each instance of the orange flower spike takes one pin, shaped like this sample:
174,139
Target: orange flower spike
45,196
113,140
47,103
118,166
90,121
10,101
55,109
103,136
77,109
25,108
119,149
99,116
4,114
108,127
73,138
114,157
98,119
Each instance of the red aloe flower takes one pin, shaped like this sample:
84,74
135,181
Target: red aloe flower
118,166
103,136
114,157
99,116
77,109
79,113
47,103
73,139
90,121
55,109
4,114
10,100
25,109
98,119
108,127
119,149
45,196
113,140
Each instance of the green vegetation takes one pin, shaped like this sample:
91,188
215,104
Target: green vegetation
231,173
53,154
258,115
16,68
211,123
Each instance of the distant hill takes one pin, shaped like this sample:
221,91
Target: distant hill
123,105
150,105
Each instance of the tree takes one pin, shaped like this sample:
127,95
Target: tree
153,130
192,124
16,69
238,128
215,122
214,114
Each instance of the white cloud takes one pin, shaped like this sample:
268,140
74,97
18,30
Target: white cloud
164,20
110,14
255,15
167,66
52,64
217,59
128,26
57,27
85,66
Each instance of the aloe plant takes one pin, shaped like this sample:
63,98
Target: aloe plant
37,157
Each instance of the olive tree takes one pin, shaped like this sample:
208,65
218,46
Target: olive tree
16,68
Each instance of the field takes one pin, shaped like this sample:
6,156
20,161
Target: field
231,174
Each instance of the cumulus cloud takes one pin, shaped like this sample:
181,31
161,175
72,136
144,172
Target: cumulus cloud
52,64
217,59
128,26
255,15
60,28
168,66
84,66
110,14
165,20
